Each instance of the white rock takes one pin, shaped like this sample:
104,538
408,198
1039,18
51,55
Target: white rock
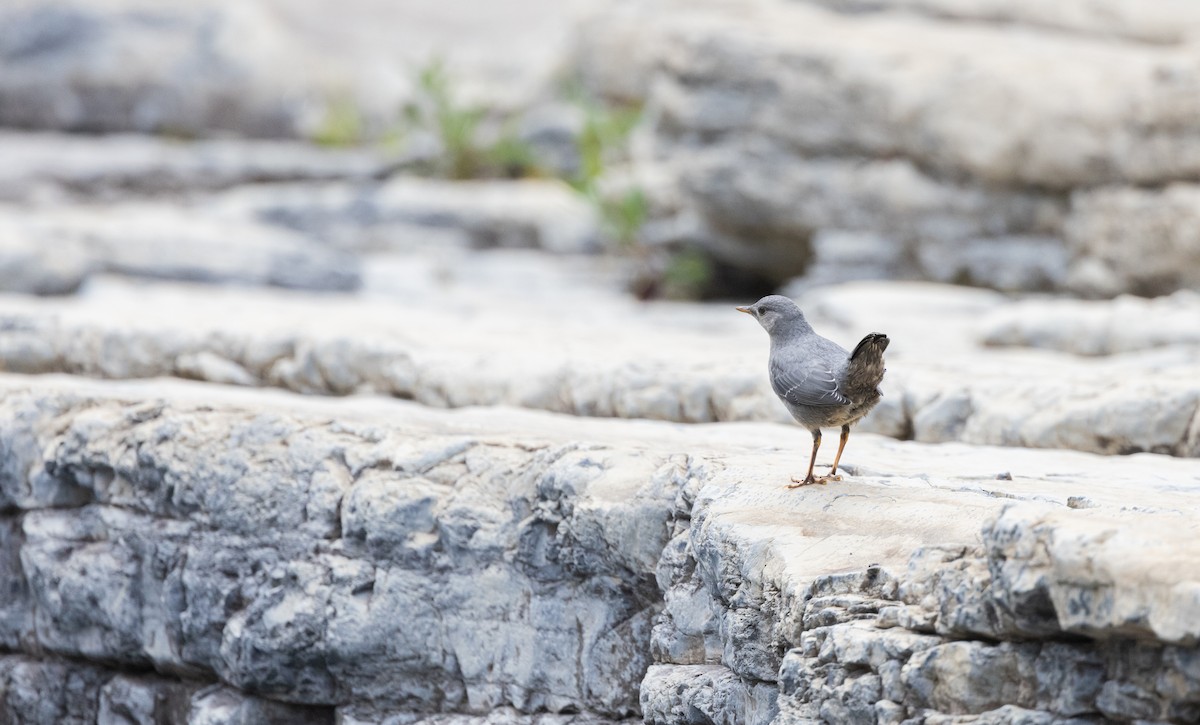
1124,324
52,165
162,241
594,353
268,67
1142,241
1172,21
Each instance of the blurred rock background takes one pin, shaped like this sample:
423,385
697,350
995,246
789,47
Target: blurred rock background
550,206
1001,145
426,169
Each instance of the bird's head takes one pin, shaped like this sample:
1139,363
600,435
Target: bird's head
777,313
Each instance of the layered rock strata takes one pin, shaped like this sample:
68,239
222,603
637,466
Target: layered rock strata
658,362
372,561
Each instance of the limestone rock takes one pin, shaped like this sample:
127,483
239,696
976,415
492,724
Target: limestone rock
1144,242
782,198
879,84
28,266
167,243
657,362
354,581
530,213
707,693
47,691
963,633
787,125
125,65
1125,324
55,165
1173,21
267,68
333,557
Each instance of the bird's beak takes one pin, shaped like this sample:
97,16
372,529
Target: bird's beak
747,310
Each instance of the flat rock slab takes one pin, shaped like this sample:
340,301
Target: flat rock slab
894,84
53,250
41,165
1168,22
267,68
408,211
1089,327
375,556
589,351
775,127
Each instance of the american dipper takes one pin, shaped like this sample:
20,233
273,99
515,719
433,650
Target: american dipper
821,384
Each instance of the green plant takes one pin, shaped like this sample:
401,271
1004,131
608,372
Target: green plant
457,128
687,275
341,126
603,139
511,157
622,217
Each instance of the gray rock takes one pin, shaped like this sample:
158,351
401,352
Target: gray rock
355,580
31,266
704,693
944,418
778,199
851,95
42,693
48,691
49,166
118,66
217,705
412,211
166,243
1168,22
882,129
266,68
658,361
1125,324
1133,240
143,700
1012,263
332,556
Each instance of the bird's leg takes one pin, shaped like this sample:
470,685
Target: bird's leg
838,457
796,482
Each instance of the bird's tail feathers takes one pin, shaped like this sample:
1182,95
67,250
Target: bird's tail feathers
873,344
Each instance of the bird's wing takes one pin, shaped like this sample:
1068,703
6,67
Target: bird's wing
809,381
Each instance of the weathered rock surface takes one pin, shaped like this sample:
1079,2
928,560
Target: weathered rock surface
407,212
334,563
223,550
1145,242
266,68
806,601
52,165
786,124
370,560
1171,21
123,65
923,227
594,354
1125,324
54,690
163,242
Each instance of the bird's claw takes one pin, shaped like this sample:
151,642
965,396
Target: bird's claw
809,480
806,481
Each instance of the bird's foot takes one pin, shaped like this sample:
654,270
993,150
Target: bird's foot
832,477
807,481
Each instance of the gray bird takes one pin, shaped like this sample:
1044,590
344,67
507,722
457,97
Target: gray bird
821,384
